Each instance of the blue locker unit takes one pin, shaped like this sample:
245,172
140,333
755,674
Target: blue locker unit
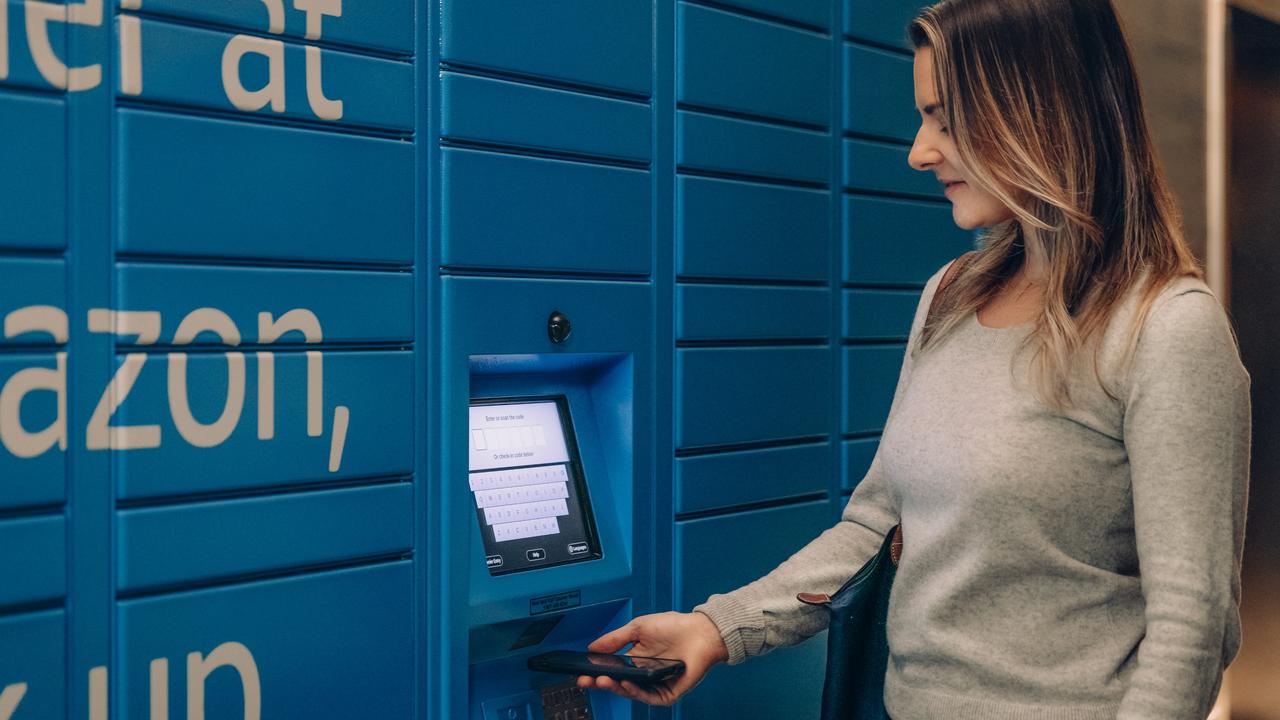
266,264
497,349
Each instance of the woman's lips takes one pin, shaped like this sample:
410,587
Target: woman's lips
952,186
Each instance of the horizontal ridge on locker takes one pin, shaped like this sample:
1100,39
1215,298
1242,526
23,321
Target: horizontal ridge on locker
249,579
33,554
33,176
747,178
260,491
747,314
165,159
745,446
894,195
718,65
717,483
813,15
533,118
693,280
335,32
541,81
284,347
523,274
529,151
160,259
726,510
878,97
160,107
209,542
880,22
732,114
880,167
606,43
715,143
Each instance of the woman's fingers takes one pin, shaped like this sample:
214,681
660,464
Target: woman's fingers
614,641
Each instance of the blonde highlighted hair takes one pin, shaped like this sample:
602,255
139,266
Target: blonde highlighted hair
1043,103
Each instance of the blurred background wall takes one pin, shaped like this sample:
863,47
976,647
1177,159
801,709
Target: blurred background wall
1210,71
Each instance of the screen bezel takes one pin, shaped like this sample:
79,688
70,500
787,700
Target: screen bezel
576,475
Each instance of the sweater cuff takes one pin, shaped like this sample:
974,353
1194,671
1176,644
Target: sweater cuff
740,625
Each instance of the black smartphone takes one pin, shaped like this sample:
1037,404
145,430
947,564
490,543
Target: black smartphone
643,670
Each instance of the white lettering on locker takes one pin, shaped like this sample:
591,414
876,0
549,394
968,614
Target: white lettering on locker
52,69
100,435
228,654
13,435
193,431
10,698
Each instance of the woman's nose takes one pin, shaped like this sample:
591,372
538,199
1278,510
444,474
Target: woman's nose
923,156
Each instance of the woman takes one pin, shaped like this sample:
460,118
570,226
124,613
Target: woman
1068,445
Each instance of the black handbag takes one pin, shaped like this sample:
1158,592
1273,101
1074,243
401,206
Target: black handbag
857,646
857,643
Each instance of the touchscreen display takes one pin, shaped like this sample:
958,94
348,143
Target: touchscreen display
526,480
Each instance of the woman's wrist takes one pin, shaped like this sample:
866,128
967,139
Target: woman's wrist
714,640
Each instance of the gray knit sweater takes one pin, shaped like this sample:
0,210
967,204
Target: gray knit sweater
1056,566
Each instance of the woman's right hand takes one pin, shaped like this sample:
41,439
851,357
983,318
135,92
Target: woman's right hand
690,637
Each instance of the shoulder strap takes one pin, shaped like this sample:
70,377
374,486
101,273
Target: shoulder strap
947,277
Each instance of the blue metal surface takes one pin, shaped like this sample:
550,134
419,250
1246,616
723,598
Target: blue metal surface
858,455
709,482
33,554
170,546
331,645
43,281
212,188
721,553
810,12
33,184
744,312
380,26
720,66
776,232
39,665
879,314
729,395
660,172
871,373
881,98
871,254
881,21
542,118
505,211
348,305
720,144
882,167
593,42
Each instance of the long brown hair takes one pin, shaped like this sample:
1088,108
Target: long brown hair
1043,103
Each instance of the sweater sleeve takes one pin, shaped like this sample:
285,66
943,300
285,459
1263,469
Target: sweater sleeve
765,614
1187,429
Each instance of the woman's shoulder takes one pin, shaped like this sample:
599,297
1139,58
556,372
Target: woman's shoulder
1186,328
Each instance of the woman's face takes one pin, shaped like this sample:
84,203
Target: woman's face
971,206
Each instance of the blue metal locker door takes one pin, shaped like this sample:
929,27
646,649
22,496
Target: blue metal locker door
264,530
207,373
